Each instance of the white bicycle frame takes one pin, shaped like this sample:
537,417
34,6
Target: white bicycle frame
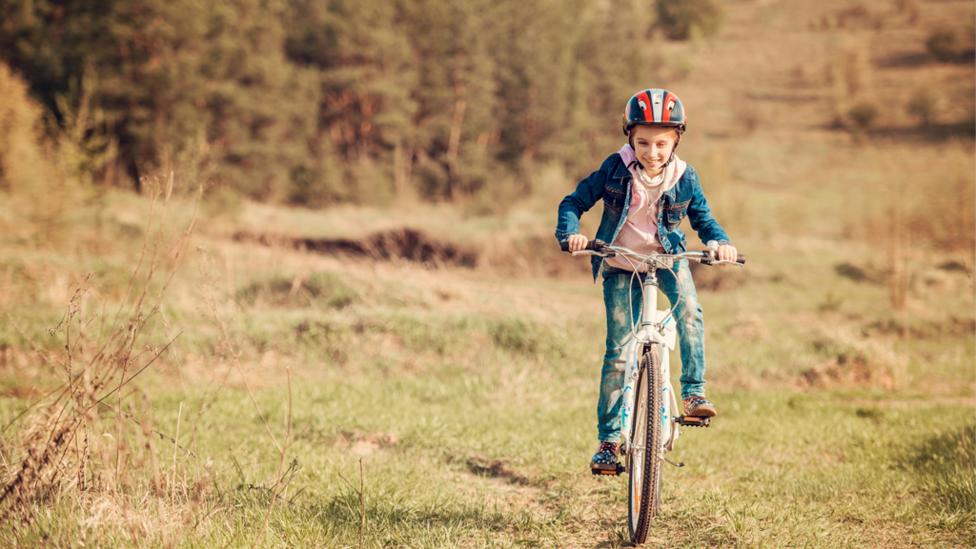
653,327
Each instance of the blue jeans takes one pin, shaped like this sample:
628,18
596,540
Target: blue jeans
622,290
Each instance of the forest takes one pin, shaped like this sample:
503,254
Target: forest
317,103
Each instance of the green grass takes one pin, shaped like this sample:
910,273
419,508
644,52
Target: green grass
470,403
778,468
474,424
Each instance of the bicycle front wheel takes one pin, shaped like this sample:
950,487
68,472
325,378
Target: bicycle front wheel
644,455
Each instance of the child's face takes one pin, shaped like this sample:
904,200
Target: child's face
653,146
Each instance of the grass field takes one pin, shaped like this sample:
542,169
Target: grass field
305,397
453,407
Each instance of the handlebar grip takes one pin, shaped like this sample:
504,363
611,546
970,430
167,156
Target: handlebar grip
594,245
740,259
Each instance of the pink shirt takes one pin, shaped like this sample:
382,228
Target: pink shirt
639,232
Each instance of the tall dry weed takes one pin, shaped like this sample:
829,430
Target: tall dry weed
63,450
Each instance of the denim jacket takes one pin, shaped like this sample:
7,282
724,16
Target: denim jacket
612,183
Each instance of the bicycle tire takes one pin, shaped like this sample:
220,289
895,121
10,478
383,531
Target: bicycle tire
644,467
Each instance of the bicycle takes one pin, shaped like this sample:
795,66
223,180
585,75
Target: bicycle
648,400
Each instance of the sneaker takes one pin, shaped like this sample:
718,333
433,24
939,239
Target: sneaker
605,457
699,406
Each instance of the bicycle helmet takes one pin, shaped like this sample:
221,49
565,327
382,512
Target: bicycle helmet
655,107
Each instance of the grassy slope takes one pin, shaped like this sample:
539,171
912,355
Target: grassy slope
468,395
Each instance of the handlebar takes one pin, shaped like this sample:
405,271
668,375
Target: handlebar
601,248
595,245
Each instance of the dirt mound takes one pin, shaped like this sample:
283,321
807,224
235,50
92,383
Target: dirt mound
363,444
849,371
867,274
404,243
496,469
855,362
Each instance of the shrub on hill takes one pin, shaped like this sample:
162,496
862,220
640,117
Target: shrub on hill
950,45
689,19
862,115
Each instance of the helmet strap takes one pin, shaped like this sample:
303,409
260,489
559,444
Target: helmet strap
673,149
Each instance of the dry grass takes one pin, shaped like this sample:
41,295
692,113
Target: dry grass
63,449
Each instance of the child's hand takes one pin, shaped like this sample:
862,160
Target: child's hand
578,242
727,252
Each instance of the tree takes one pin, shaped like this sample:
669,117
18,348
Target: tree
259,105
122,70
455,94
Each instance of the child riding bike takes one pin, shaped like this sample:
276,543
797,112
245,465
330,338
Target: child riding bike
646,191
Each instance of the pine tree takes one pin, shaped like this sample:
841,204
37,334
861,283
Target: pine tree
365,77
259,105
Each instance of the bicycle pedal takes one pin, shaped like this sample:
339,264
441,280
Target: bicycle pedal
693,421
608,470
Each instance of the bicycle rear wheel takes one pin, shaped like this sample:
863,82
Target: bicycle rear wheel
644,459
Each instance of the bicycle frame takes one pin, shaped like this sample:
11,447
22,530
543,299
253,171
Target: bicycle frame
653,327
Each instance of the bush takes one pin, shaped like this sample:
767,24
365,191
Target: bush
688,19
942,44
862,115
948,45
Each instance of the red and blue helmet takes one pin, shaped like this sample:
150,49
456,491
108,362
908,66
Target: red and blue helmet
655,107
